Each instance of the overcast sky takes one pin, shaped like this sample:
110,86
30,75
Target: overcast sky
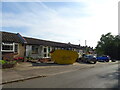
64,22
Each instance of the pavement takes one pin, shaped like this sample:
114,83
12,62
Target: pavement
25,70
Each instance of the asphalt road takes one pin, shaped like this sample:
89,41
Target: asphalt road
104,76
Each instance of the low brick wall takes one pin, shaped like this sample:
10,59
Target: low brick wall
7,56
8,66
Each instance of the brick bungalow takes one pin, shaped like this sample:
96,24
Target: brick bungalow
14,45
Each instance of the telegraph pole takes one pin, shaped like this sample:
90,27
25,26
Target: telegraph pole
85,42
79,42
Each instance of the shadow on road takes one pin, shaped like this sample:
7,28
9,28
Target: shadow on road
114,76
110,76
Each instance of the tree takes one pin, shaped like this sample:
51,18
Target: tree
109,45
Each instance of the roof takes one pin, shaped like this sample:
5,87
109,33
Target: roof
33,41
17,38
11,37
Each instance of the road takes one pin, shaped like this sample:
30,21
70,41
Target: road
104,76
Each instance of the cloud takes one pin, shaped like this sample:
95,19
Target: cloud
66,23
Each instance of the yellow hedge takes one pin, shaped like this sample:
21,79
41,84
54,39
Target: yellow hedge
64,56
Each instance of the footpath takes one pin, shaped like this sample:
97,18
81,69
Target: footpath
24,71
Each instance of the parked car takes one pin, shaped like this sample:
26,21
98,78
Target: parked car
113,60
89,59
104,58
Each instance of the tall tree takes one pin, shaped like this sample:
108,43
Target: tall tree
109,45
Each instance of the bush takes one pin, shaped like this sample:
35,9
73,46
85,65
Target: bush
11,62
3,62
7,64
29,58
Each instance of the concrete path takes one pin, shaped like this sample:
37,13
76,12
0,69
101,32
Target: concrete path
24,71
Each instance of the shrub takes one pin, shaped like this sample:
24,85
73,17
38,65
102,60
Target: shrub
3,61
29,58
7,64
11,62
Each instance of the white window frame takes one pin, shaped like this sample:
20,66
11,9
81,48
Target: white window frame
47,51
14,47
12,44
45,47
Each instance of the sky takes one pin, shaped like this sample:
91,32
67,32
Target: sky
63,21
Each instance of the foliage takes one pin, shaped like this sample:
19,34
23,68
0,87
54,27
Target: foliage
29,58
2,62
109,45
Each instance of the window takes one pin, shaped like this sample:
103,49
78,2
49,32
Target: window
45,55
7,47
62,48
45,49
16,47
34,49
48,49
48,54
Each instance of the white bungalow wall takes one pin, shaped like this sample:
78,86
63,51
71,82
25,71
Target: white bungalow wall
28,50
34,55
40,54
45,53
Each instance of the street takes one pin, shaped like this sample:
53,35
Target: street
104,76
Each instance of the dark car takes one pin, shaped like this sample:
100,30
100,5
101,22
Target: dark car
104,58
113,60
89,59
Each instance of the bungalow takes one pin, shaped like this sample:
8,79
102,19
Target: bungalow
41,48
12,46
17,46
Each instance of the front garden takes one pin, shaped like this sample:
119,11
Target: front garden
7,64
10,63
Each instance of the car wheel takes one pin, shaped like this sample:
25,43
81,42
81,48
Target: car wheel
113,60
94,62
